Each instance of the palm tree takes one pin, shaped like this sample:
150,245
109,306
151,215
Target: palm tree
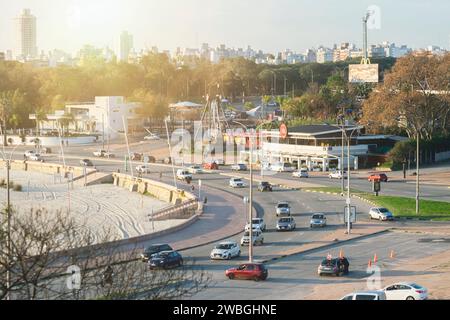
41,116
6,102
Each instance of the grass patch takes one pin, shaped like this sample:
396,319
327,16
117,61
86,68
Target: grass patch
401,206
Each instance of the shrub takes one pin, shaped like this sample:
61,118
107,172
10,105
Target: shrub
17,187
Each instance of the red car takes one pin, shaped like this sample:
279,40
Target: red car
378,177
211,166
248,271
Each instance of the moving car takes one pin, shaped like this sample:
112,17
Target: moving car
86,163
236,183
195,169
366,295
183,174
258,238
152,136
406,291
36,157
29,153
264,186
318,220
282,167
154,248
381,214
226,250
248,271
287,223
239,167
144,168
378,177
336,266
283,209
165,259
211,166
302,173
257,223
337,175
103,154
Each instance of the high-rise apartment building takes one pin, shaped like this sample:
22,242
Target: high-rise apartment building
126,45
26,35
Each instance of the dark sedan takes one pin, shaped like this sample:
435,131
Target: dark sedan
165,259
86,163
337,266
264,186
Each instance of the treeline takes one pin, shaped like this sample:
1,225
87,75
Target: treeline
156,82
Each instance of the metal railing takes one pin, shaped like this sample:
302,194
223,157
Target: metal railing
185,209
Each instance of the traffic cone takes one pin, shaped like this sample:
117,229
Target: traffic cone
370,263
341,254
392,255
375,258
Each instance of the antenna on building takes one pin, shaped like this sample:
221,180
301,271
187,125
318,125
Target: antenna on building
365,59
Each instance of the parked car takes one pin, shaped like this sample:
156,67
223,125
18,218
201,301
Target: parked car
183,174
282,167
211,166
264,186
152,136
257,223
318,220
378,177
36,157
29,153
195,169
236,183
258,238
302,173
154,248
366,295
283,209
337,174
165,259
239,167
86,163
226,250
406,291
143,168
103,154
336,266
286,223
248,271
381,214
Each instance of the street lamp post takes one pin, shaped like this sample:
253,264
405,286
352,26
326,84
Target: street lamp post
418,175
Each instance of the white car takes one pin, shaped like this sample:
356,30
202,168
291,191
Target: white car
282,167
29,153
337,175
143,168
366,295
406,291
258,238
381,214
283,209
236,183
152,136
225,251
257,223
35,157
103,153
195,169
302,173
239,167
183,174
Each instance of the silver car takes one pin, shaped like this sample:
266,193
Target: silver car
283,209
287,224
318,220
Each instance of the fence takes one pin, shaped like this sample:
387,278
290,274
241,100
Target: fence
181,211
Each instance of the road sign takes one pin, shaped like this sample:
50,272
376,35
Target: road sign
352,214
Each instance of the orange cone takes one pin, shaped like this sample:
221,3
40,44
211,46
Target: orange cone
392,255
375,258
370,263
341,254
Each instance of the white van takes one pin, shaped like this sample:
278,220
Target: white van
183,174
282,167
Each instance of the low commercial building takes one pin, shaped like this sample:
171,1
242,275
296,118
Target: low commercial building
109,116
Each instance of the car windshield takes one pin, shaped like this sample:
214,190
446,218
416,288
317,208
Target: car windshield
283,205
224,246
383,210
256,221
264,183
327,262
317,216
237,180
285,220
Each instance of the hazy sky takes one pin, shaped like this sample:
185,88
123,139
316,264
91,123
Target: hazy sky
271,25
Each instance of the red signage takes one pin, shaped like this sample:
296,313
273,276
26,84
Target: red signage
283,131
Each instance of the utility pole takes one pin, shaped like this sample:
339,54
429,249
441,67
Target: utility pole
250,213
418,174
8,235
348,186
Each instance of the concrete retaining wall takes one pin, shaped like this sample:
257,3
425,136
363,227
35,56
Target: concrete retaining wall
160,191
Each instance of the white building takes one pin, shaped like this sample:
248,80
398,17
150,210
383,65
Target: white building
26,47
111,116
324,55
126,45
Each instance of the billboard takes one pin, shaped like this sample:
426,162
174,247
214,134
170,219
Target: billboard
362,73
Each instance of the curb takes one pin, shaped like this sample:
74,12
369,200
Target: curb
340,242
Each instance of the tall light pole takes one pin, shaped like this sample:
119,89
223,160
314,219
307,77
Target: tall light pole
418,175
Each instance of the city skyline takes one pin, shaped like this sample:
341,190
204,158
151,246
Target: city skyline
84,23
